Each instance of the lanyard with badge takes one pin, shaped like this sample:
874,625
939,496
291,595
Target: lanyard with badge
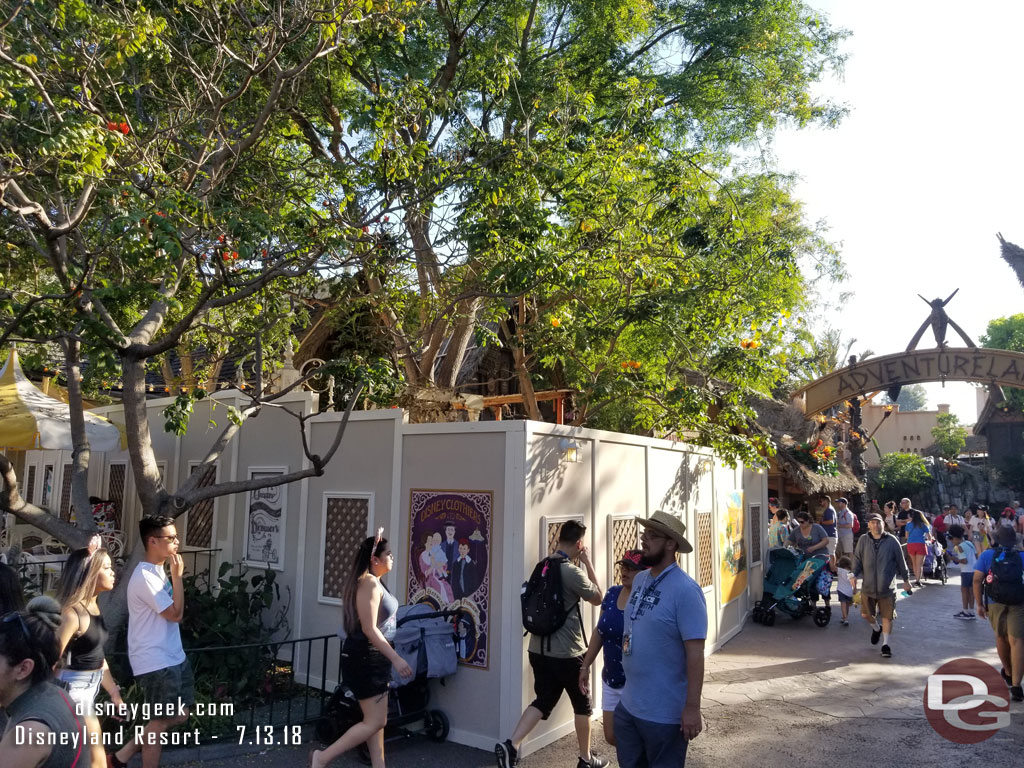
634,611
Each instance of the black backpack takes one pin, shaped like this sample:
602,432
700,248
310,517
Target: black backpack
1004,582
543,606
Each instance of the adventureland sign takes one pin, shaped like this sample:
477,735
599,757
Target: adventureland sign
988,366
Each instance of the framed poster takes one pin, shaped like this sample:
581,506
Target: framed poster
265,518
449,562
732,546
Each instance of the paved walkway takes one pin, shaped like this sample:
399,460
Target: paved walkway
791,695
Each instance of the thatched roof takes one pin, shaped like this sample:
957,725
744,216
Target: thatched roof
813,483
786,425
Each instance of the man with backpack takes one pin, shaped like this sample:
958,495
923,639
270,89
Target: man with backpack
999,573
553,615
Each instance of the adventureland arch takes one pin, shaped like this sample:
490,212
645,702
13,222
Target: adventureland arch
995,367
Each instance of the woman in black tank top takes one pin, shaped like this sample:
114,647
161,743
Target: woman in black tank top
87,573
367,655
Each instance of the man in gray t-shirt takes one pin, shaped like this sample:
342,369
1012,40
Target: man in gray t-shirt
556,660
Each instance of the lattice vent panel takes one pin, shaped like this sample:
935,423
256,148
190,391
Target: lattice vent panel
704,559
625,536
347,522
116,478
30,485
756,534
65,493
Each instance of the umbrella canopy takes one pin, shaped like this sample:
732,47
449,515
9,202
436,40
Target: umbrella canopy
31,419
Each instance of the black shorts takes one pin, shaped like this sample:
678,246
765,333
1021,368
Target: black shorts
551,676
364,669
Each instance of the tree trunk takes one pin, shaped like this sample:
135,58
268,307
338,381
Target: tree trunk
81,455
145,471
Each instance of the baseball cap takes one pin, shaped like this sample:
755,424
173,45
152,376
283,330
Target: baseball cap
842,500
876,516
631,559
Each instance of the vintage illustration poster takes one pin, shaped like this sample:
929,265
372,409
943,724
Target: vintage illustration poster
265,522
731,546
449,561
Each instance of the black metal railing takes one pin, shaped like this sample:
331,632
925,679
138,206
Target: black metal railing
254,686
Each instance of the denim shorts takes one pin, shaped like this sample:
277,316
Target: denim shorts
166,686
82,687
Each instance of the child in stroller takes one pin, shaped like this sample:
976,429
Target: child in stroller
793,585
935,561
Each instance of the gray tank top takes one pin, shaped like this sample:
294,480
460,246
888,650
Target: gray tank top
386,615
49,704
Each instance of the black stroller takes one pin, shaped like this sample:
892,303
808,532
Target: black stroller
426,640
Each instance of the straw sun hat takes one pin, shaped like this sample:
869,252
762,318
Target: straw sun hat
668,525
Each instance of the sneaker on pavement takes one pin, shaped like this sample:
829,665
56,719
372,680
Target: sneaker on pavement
962,615
886,651
876,635
595,762
971,615
506,754
844,623
1016,693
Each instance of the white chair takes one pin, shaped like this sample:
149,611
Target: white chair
113,542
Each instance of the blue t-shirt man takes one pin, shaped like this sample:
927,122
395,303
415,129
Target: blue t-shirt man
828,521
984,562
662,614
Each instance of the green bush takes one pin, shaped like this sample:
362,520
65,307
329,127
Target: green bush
902,474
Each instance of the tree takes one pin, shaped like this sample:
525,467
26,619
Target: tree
1007,333
902,474
911,398
152,199
949,436
546,162
814,356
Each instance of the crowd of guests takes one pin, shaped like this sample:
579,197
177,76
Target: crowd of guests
897,541
52,662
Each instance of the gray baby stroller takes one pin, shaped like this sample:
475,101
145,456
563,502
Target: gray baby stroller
425,638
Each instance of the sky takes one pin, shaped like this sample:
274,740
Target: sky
925,170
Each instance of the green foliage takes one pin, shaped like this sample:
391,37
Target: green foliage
441,163
1007,333
236,622
902,474
949,436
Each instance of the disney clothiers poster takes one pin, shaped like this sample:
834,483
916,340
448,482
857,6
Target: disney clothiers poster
449,561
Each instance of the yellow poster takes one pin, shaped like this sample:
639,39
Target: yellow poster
732,547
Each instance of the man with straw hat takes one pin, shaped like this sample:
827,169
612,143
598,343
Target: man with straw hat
665,625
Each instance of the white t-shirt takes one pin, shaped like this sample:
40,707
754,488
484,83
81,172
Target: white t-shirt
954,520
977,524
153,641
843,586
